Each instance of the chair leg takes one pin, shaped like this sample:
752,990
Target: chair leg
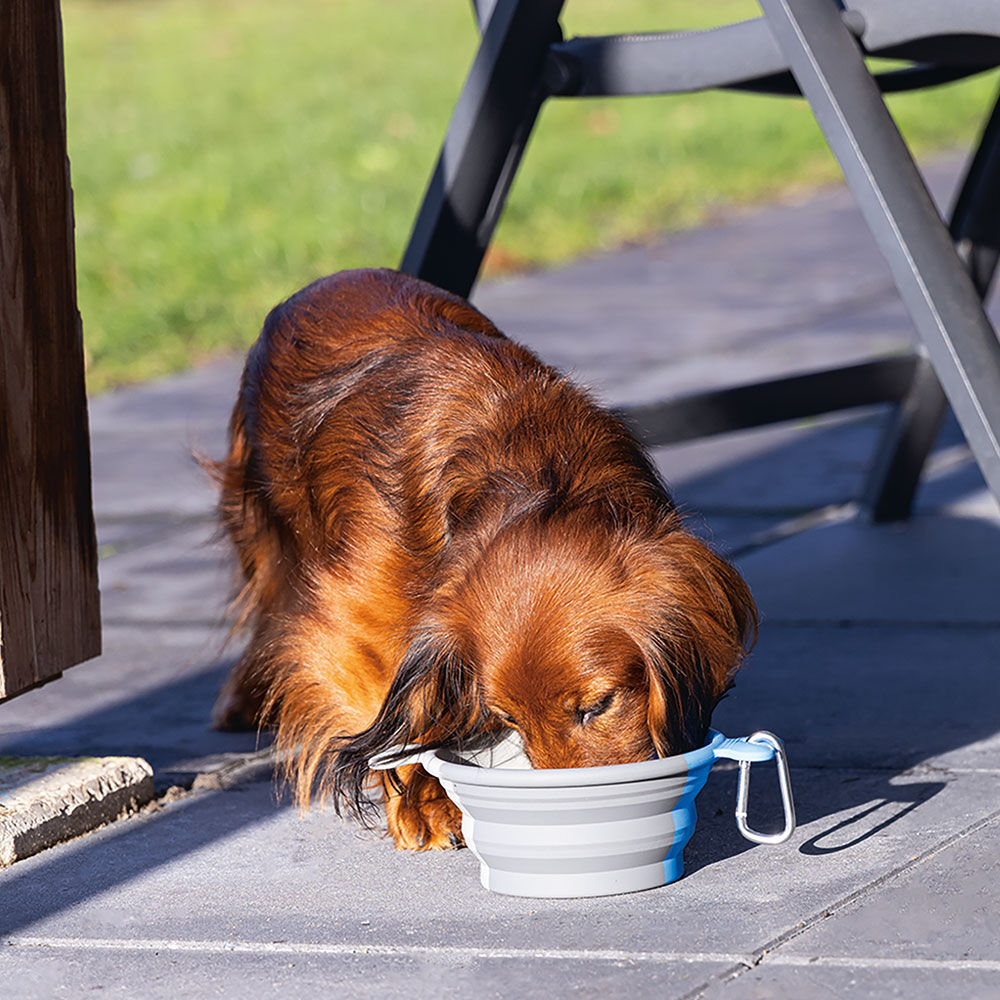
902,452
916,422
933,283
488,132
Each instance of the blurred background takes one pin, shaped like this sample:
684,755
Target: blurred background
226,152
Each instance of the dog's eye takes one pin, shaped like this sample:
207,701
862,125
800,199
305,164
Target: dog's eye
505,716
587,713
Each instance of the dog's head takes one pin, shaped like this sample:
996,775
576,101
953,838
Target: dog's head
598,647
602,648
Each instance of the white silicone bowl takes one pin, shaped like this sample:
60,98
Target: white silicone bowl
589,831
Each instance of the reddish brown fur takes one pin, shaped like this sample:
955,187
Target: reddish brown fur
438,536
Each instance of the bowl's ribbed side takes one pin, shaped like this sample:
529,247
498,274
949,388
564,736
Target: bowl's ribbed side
582,840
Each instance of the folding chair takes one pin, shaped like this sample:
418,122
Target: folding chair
817,49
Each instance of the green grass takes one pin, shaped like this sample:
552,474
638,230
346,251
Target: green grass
8,763
226,152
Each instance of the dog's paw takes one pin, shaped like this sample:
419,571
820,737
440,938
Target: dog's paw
433,826
423,818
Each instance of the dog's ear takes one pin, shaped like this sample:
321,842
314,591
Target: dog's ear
433,701
705,623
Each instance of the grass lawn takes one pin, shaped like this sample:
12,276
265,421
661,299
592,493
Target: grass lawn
226,152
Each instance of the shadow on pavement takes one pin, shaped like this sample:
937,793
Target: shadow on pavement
858,705
877,715
167,725
62,878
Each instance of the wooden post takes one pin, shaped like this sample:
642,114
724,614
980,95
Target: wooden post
49,602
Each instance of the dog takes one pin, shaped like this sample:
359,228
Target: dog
439,537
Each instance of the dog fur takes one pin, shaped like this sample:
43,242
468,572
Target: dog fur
440,536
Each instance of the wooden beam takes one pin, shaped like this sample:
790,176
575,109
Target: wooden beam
49,602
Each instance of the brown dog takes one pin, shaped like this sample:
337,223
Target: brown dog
440,536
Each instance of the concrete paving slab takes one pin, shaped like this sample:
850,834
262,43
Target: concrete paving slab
791,468
943,909
139,474
891,697
144,440
149,695
162,971
186,577
823,980
919,572
875,332
197,400
231,866
117,535
931,931
786,469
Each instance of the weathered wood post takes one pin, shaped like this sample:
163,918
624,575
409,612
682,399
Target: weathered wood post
49,603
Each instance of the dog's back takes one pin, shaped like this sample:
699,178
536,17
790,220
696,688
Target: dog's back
370,391
332,348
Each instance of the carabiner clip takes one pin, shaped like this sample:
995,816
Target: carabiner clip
743,793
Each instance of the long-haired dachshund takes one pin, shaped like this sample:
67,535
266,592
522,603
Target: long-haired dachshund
439,537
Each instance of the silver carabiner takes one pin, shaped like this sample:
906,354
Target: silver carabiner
784,782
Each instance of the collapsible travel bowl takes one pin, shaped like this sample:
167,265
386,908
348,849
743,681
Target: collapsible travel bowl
588,831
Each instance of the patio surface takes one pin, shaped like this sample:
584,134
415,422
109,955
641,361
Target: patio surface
878,664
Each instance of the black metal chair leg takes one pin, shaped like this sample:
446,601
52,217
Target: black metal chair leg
975,219
916,422
932,281
483,145
906,442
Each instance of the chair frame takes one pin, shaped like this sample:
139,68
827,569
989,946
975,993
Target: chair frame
816,49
